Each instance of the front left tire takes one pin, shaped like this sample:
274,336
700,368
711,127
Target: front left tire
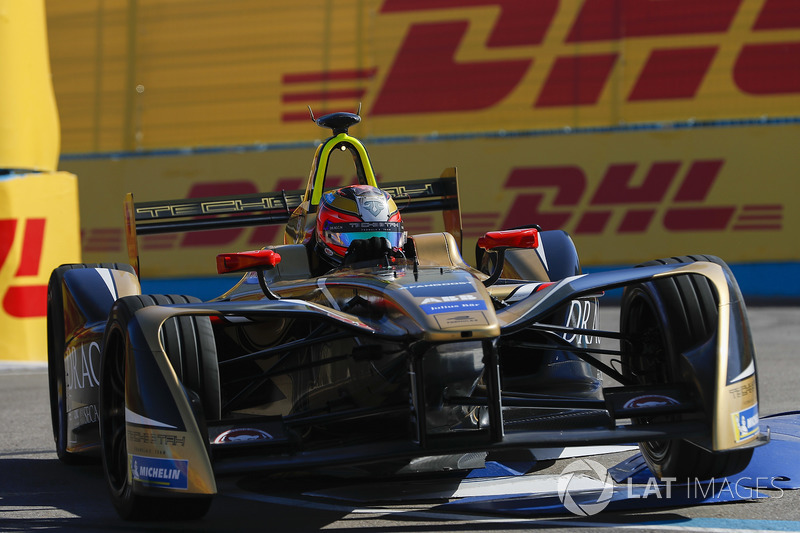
189,345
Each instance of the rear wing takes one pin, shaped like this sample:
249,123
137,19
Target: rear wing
223,212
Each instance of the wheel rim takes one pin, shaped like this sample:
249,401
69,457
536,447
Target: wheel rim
653,365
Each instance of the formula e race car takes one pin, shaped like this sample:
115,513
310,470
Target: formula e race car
399,358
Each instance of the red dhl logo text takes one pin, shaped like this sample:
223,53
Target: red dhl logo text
560,197
432,72
629,198
22,300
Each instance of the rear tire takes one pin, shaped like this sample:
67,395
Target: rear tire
189,343
669,317
56,348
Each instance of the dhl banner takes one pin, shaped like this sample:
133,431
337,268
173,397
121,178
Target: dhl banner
39,230
150,74
625,197
645,128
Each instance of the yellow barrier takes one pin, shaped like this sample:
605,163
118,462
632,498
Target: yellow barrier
39,230
39,226
29,131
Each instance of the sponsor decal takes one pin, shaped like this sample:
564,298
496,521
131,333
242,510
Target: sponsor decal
158,439
84,415
461,320
451,304
164,473
87,414
79,366
743,391
212,207
442,299
399,192
242,435
581,316
444,288
374,206
649,400
745,423
454,307
257,236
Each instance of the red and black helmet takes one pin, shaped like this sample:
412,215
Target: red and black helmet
356,212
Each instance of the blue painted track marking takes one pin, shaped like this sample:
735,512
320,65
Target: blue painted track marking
724,524
700,525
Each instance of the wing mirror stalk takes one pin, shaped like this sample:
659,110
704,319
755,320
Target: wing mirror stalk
253,261
497,242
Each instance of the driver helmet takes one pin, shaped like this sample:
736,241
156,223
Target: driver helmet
356,212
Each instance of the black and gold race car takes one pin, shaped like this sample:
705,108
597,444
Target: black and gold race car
403,361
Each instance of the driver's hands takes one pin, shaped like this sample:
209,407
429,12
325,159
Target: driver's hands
374,248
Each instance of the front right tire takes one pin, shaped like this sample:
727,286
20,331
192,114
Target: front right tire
667,317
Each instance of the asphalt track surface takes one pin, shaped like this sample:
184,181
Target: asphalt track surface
37,492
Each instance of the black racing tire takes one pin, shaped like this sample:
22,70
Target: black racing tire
671,316
56,348
189,343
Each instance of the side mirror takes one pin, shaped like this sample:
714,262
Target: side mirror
512,238
498,241
254,260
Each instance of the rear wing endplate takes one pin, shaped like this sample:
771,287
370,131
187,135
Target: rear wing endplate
223,212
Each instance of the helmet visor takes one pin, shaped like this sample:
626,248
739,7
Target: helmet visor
344,233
